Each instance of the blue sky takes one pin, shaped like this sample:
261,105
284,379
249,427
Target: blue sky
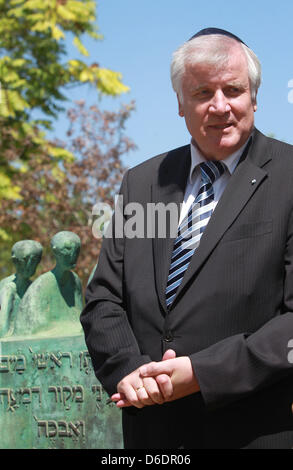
139,38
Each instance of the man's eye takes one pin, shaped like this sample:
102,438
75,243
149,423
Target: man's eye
203,93
234,90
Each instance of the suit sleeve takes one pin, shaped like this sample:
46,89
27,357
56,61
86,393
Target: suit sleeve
108,333
240,365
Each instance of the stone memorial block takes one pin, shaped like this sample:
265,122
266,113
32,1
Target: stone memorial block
49,395
51,399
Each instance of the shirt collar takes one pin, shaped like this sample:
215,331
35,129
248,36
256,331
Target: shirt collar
197,158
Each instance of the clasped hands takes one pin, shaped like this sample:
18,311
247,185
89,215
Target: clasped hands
157,382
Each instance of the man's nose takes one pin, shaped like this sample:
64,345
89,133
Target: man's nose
219,104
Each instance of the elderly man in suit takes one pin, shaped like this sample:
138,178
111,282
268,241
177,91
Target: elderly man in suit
190,333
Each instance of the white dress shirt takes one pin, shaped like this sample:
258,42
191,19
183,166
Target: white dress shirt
194,179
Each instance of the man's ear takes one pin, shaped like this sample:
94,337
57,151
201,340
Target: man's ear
254,103
180,107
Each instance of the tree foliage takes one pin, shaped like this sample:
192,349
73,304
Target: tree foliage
61,197
34,74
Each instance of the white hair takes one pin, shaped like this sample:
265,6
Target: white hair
212,49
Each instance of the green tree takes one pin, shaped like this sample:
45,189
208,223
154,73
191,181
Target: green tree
56,198
34,71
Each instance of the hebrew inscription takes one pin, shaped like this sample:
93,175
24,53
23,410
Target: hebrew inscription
13,364
50,395
12,399
53,428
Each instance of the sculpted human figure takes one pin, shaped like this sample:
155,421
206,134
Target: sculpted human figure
26,256
54,301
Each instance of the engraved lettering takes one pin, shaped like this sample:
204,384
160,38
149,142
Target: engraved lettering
60,390
11,401
42,424
63,433
54,425
20,364
75,427
64,394
26,391
69,355
76,390
4,363
13,364
41,360
54,389
39,391
61,428
85,361
67,390
55,360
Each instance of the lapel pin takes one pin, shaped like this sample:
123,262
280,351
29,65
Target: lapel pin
253,181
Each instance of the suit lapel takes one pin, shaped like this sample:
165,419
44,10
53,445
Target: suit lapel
169,188
242,185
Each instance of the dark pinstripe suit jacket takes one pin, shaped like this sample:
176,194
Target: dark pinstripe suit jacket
233,313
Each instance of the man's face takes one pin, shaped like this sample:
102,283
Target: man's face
217,105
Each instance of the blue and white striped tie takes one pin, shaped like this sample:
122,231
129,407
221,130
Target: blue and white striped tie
192,227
